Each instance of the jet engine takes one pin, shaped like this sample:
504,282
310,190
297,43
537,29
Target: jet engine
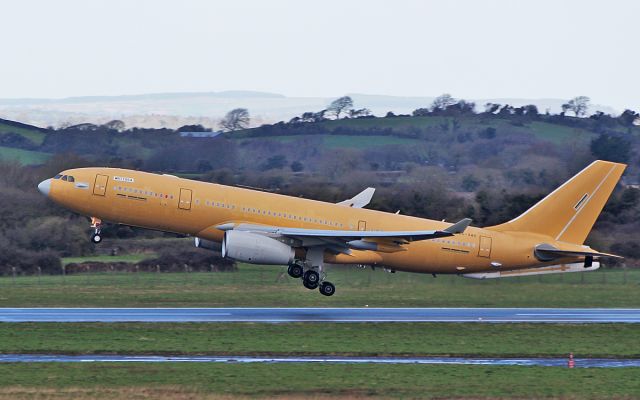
256,249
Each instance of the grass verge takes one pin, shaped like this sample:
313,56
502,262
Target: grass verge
326,380
370,339
260,286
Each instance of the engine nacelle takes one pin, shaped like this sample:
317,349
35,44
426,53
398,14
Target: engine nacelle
256,249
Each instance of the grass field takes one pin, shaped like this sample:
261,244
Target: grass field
25,157
559,133
298,339
271,287
182,381
35,136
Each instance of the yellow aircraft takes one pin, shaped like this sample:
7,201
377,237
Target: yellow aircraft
266,228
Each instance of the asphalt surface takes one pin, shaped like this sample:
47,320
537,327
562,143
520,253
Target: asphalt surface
275,315
544,362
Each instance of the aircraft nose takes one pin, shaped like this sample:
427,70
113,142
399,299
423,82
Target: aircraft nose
44,187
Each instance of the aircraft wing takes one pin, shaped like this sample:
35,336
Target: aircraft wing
360,200
362,240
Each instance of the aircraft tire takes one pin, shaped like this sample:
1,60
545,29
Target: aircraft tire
327,288
295,270
312,277
96,238
309,285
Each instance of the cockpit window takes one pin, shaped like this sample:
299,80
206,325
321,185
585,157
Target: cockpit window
57,176
64,177
71,178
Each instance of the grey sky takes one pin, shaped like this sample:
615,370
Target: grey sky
472,49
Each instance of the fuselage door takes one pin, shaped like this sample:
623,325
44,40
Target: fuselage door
100,185
185,199
485,247
362,225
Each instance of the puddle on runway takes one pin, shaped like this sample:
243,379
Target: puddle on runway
543,362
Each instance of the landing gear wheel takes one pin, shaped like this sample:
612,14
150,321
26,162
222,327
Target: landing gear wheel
295,270
311,279
327,288
96,225
96,238
309,285
312,276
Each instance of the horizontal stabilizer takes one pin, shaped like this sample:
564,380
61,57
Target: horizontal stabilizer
546,252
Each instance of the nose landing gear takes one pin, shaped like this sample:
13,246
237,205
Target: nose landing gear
96,236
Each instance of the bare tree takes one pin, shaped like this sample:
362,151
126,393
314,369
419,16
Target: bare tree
115,125
363,112
578,105
442,102
235,120
340,105
491,108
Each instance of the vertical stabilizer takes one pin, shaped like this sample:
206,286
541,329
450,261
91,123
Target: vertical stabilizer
569,212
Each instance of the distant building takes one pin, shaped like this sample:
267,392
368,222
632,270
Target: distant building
200,134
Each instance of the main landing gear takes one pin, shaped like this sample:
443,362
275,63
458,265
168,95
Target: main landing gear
96,236
311,278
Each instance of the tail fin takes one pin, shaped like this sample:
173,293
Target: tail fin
569,212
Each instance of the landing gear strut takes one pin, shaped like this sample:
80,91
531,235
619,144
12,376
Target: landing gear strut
96,236
310,270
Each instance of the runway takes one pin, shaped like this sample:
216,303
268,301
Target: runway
281,315
542,362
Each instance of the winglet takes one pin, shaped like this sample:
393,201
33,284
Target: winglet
459,226
360,200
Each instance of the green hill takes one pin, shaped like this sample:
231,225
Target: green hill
33,133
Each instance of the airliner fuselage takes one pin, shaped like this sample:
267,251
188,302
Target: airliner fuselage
210,211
